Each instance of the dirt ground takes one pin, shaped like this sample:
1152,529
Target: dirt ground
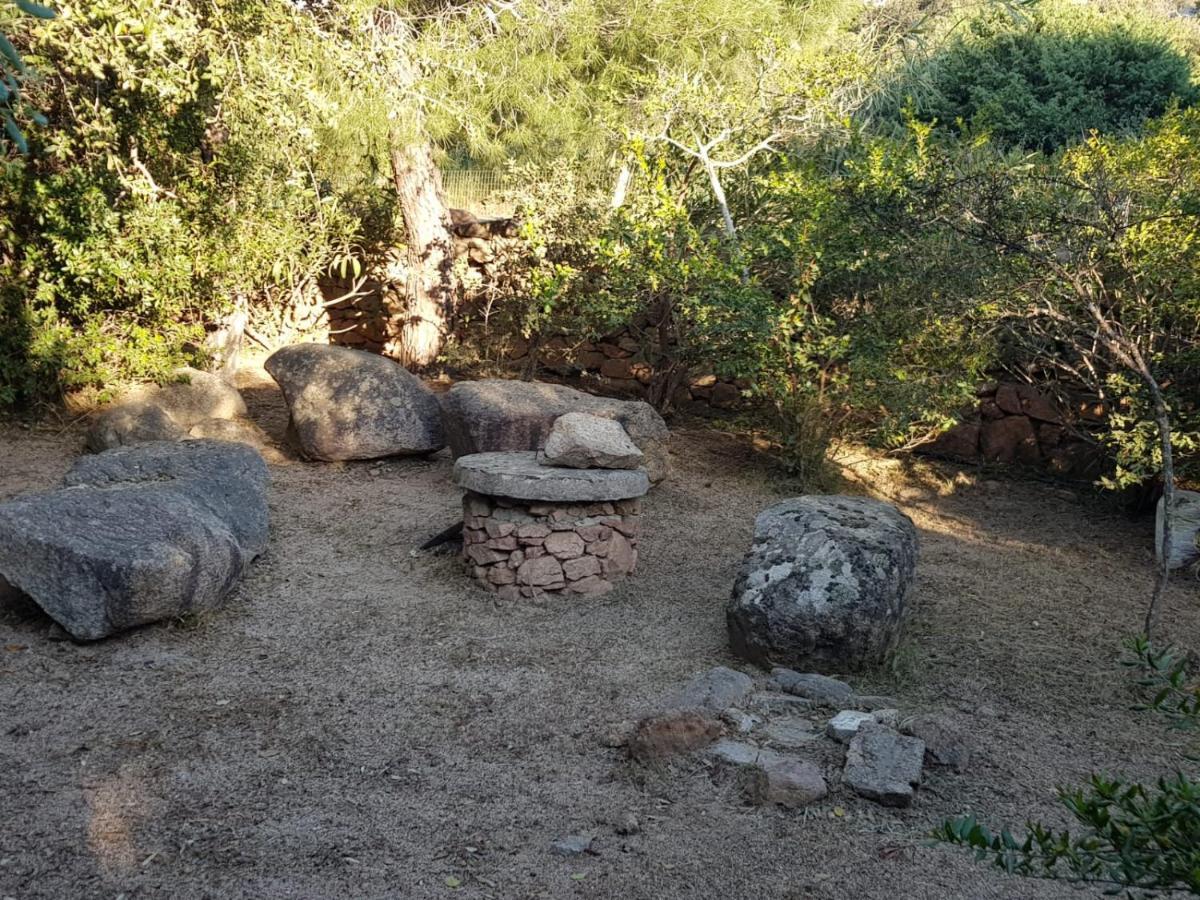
360,721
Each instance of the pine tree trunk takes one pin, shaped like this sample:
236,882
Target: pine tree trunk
432,290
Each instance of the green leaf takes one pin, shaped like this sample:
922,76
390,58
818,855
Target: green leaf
36,9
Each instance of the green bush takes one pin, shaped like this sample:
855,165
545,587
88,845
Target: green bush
1048,81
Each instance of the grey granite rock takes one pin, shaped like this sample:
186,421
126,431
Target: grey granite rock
946,743
883,765
823,585
139,534
846,724
819,689
517,474
716,690
584,441
350,404
132,422
496,415
165,413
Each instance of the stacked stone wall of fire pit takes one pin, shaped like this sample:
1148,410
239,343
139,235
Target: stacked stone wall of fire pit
524,548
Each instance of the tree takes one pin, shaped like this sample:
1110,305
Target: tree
1091,273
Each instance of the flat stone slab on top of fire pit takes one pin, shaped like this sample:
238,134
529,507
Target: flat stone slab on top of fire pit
518,474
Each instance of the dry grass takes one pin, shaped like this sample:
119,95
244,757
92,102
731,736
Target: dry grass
360,721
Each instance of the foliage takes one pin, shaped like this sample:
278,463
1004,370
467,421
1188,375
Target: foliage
13,74
176,177
1135,839
1077,265
1051,76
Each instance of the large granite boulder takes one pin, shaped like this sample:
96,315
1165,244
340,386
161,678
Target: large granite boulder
823,584
350,404
165,413
138,534
495,414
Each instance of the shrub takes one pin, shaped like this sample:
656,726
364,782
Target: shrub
1048,81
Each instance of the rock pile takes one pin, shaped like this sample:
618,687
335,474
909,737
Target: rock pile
781,744
138,534
196,404
823,584
531,529
1017,423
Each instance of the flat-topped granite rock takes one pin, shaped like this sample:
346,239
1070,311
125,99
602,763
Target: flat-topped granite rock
519,475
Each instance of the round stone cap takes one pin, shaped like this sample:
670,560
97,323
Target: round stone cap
518,474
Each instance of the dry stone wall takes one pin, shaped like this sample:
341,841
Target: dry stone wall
522,548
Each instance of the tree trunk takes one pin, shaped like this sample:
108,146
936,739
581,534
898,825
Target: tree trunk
432,291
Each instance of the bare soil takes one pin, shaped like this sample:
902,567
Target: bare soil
360,720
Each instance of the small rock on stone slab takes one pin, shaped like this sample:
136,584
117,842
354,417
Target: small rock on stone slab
945,743
845,725
572,845
812,686
583,441
883,765
497,414
715,690
518,474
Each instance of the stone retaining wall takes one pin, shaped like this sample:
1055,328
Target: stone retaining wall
521,548
1018,424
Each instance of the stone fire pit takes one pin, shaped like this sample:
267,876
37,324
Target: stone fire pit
531,529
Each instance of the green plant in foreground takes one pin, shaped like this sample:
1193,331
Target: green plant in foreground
1135,839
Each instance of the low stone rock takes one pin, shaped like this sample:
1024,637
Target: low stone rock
518,474
791,783
945,743
350,404
770,777
774,703
139,534
583,441
193,396
581,567
628,824
883,765
572,845
846,724
820,689
716,690
823,584
497,415
1185,529
790,732
659,736
133,422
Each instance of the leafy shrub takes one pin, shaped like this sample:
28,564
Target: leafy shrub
1048,81
1135,838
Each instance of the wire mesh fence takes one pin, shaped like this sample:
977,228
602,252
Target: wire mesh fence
480,191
